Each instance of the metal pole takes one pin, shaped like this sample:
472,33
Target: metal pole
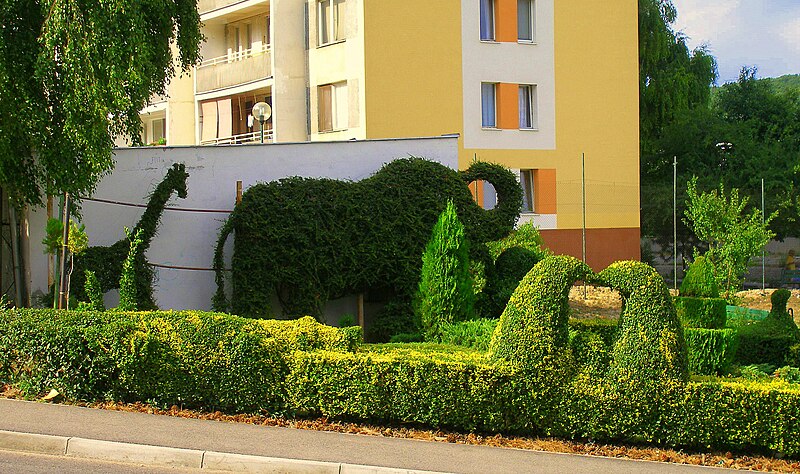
763,250
261,121
675,221
64,243
583,201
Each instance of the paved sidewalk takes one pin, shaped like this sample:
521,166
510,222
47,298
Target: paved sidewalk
160,440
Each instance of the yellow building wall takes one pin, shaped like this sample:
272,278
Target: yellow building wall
597,113
413,79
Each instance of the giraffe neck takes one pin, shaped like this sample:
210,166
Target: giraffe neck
152,215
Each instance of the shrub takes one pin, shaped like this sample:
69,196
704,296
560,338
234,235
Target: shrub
526,236
127,280
533,332
396,317
605,328
765,342
192,358
778,313
699,280
510,268
318,239
591,352
650,345
475,334
445,290
707,313
711,351
94,292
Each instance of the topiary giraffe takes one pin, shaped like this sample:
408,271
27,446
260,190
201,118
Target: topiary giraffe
106,262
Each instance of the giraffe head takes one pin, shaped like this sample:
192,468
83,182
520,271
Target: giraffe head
177,177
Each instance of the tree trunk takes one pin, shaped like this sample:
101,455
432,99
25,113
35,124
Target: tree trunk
12,217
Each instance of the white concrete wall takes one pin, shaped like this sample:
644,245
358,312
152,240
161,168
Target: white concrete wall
188,238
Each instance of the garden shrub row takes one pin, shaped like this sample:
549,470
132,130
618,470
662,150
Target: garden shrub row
217,361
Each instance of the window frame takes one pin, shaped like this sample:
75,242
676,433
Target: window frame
494,102
332,24
491,23
334,109
526,181
532,102
531,21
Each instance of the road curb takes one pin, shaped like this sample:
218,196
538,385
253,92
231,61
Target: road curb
178,457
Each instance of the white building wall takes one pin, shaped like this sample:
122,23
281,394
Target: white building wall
515,63
187,239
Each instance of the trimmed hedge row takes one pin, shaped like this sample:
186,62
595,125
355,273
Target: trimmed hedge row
706,313
217,361
192,358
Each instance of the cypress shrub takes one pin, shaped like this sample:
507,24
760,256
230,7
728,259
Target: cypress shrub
445,290
699,280
707,313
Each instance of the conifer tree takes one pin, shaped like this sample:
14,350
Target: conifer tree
445,290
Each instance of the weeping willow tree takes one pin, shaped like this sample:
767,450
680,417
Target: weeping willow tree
73,75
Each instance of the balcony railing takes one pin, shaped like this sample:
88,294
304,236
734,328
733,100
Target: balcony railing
249,137
239,67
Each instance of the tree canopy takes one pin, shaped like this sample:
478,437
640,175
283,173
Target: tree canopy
73,75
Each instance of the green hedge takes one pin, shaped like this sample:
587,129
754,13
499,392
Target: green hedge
711,351
706,313
217,361
192,358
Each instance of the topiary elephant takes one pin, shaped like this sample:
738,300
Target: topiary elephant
312,240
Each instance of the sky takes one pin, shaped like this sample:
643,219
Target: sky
762,33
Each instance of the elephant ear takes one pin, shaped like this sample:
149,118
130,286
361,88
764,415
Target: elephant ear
494,224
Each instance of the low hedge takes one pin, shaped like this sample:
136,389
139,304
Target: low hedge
711,351
706,313
216,361
197,359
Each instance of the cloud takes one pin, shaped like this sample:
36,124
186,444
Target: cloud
763,33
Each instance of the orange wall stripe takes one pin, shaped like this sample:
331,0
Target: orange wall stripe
506,21
508,106
544,185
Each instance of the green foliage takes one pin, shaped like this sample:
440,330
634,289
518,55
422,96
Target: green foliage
445,289
94,292
223,362
312,240
533,332
74,75
707,313
733,237
475,334
54,235
197,359
672,79
106,262
699,280
509,269
127,280
760,123
711,351
767,342
592,354
778,312
347,320
526,236
397,317
650,345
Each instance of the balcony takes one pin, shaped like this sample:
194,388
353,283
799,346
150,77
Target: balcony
242,138
233,69
211,9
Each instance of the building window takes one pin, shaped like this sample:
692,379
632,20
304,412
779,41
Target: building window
488,105
333,110
527,107
525,20
526,181
331,16
487,20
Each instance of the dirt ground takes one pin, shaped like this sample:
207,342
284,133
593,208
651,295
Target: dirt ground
600,302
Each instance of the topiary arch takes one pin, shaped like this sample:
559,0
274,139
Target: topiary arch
533,330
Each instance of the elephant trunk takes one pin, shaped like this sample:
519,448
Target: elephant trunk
494,224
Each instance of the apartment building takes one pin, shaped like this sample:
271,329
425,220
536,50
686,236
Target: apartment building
541,86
